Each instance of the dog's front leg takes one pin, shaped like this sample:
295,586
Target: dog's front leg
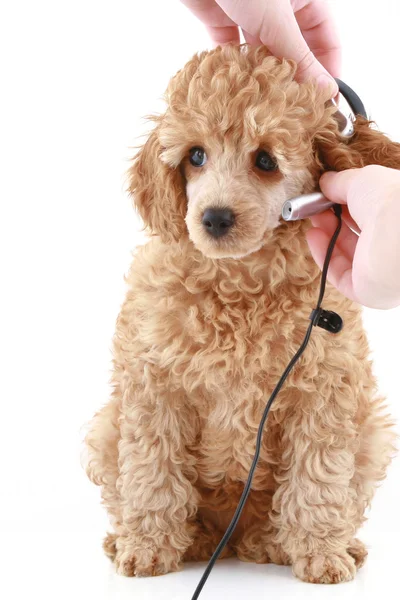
314,507
158,498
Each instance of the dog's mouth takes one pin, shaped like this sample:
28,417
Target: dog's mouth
232,251
235,243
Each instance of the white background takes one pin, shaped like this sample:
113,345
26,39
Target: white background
76,78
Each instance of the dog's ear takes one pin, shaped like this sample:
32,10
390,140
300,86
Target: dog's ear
158,191
366,146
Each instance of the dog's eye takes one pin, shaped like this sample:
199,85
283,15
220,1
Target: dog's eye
265,162
197,156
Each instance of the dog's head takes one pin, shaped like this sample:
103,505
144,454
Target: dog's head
239,137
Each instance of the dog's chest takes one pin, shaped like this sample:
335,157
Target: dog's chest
228,424
236,346
237,354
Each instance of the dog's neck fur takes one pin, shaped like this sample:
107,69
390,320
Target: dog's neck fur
285,258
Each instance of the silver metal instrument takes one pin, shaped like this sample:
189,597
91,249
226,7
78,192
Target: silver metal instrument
305,206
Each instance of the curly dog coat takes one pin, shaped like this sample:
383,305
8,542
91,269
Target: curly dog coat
218,302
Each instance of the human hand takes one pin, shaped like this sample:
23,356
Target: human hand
365,268
302,30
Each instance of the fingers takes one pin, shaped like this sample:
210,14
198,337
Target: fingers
340,273
251,39
223,35
348,219
221,29
371,193
274,24
336,186
362,189
281,33
347,240
209,12
319,31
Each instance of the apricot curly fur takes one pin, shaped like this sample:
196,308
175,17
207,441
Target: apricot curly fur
208,326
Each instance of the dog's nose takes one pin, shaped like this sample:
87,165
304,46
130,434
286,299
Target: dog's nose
218,221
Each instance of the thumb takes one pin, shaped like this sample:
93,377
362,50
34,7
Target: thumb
337,186
281,33
361,189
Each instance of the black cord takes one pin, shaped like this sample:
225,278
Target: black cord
246,491
353,100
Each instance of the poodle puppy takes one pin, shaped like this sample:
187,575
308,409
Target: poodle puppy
218,302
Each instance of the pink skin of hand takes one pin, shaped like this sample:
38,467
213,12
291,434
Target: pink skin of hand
302,30
364,267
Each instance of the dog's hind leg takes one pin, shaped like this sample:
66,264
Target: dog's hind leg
358,551
102,464
109,545
258,545
377,440
252,547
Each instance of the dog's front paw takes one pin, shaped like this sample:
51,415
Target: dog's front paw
145,558
325,568
358,551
